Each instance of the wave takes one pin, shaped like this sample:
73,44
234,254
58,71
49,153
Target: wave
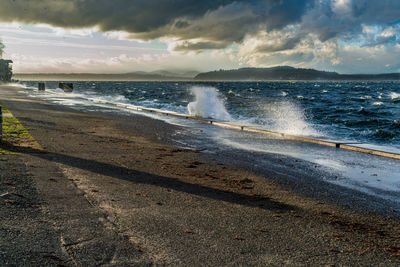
382,134
208,104
378,103
365,112
286,117
280,116
307,113
395,96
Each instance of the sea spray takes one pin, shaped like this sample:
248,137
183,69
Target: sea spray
287,117
334,114
208,104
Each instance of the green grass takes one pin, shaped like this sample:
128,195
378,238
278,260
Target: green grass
15,136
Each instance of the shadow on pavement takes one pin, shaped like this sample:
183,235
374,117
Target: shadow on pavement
151,179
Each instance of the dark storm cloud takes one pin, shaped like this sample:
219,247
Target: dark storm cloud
329,19
207,24
139,15
199,46
223,21
286,44
340,20
376,11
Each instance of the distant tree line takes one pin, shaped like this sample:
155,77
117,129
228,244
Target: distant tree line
287,73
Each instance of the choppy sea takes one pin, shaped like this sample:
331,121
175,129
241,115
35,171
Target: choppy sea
366,112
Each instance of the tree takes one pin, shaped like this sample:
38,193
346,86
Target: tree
2,46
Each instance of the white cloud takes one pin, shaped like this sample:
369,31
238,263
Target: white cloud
367,29
117,35
74,32
277,48
45,30
342,7
376,59
389,32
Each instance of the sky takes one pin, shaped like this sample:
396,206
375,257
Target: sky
119,36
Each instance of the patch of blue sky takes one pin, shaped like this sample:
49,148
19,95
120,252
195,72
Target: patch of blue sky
356,42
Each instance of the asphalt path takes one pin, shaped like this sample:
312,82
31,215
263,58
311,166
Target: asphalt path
113,191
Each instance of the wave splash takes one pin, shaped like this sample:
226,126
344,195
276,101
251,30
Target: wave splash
280,116
208,104
287,117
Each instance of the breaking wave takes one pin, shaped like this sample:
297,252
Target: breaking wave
287,117
208,104
395,96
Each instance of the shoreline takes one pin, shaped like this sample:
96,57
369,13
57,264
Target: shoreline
364,144
327,141
177,206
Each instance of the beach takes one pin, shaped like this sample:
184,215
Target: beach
114,191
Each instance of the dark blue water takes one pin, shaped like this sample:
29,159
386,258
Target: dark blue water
367,112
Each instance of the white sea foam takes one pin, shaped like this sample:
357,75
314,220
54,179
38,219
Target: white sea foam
110,98
208,104
377,103
394,96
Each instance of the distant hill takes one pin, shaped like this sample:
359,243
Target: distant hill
287,73
134,76
177,73
244,74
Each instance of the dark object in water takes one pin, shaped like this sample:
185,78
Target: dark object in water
67,87
41,86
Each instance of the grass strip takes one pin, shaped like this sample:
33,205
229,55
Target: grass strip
16,138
